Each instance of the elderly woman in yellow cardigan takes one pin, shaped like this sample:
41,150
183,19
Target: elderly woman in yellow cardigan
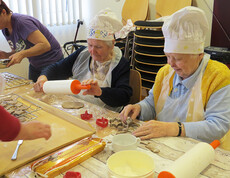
191,94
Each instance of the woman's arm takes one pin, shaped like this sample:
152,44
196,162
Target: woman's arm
41,45
11,128
217,118
9,125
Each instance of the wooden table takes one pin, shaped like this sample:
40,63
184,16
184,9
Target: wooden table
170,148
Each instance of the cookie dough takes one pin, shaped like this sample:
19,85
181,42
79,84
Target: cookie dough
152,147
129,126
72,105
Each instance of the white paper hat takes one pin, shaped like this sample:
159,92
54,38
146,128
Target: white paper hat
104,25
185,31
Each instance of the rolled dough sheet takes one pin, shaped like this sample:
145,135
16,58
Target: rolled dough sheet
72,105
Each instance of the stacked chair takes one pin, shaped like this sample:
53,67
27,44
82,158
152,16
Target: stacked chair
147,52
134,10
126,44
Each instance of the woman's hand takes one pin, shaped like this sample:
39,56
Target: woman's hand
38,86
94,90
155,129
130,111
34,130
15,58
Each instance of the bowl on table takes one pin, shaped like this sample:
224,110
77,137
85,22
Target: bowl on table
130,164
122,142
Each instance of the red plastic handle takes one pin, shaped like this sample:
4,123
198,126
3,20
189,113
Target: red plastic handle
76,87
215,144
103,122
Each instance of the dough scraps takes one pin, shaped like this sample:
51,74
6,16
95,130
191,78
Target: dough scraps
72,105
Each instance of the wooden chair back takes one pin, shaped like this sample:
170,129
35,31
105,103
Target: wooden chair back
135,83
168,7
134,10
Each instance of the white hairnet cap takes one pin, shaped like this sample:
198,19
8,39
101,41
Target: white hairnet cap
104,25
185,31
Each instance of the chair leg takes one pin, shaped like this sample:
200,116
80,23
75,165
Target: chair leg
132,56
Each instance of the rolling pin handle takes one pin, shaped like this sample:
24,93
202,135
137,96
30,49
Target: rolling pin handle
215,144
84,87
76,87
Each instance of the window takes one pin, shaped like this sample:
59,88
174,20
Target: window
49,12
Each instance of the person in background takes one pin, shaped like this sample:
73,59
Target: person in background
191,94
28,38
12,129
100,65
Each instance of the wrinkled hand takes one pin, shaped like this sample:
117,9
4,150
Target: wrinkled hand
130,111
38,86
34,130
154,129
15,58
3,55
94,90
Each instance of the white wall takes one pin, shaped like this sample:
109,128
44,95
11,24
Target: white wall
208,11
89,9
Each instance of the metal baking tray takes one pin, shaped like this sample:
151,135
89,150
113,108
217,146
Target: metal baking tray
20,107
13,81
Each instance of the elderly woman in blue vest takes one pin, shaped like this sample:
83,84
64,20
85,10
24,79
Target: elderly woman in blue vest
100,64
191,94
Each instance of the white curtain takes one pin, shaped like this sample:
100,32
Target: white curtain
49,12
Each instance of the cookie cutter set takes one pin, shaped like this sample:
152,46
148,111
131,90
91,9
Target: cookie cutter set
103,122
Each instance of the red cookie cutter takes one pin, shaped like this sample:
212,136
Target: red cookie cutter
103,122
86,116
72,174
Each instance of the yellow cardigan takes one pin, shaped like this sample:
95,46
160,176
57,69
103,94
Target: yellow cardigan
216,76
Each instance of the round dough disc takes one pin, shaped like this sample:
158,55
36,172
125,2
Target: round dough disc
72,105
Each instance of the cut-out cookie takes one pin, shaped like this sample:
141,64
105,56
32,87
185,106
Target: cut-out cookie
129,126
72,105
152,147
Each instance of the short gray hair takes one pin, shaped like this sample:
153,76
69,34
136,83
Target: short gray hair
109,43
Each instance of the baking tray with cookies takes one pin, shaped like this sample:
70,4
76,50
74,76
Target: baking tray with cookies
13,81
